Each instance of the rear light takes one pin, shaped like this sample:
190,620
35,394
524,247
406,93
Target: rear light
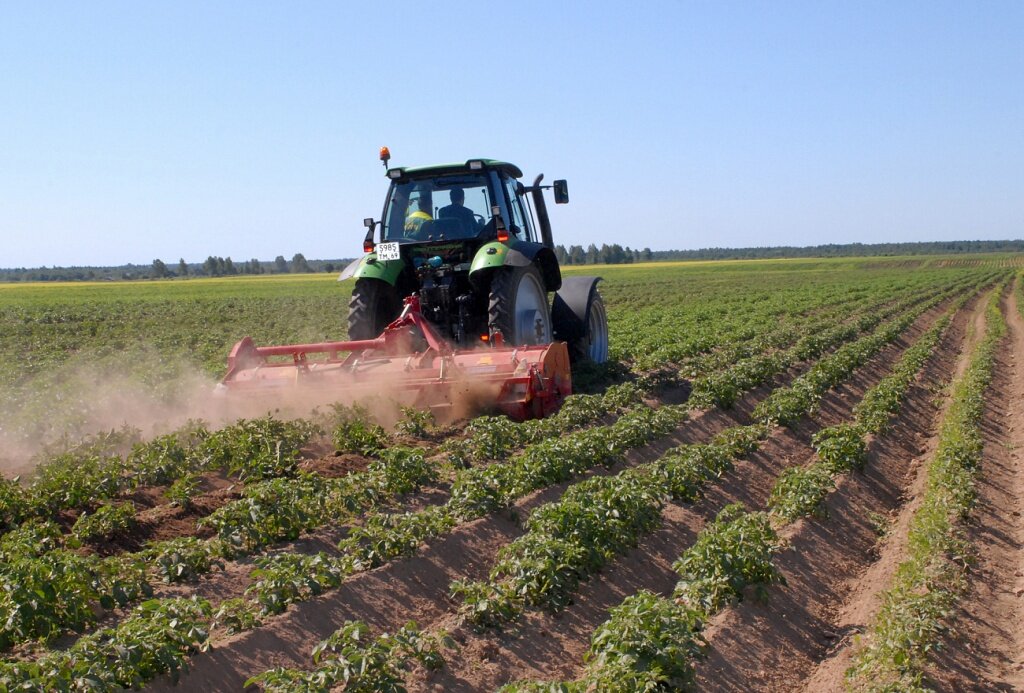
502,235
485,338
368,246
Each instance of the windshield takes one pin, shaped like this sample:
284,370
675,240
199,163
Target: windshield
444,207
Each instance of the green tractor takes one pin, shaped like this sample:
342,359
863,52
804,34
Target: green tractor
474,245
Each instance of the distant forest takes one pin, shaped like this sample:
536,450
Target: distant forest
614,254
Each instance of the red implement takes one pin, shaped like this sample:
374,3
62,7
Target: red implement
412,361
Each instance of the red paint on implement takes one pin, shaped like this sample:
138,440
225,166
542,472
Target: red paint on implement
411,358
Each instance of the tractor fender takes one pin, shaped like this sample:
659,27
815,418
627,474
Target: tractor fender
570,313
517,254
369,267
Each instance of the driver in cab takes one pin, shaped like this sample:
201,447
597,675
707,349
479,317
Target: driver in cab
458,210
415,220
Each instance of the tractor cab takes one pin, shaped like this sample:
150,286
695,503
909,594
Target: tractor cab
474,246
455,203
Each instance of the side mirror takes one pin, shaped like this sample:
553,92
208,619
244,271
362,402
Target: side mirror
561,190
370,225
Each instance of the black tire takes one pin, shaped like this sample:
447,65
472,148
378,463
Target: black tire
518,300
593,347
373,306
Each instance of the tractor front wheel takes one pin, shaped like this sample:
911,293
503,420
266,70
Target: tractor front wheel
518,306
374,305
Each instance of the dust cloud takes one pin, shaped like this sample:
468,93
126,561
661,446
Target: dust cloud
77,401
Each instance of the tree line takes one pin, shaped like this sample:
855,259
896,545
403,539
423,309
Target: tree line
605,254
613,254
213,266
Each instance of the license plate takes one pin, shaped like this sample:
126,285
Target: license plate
387,251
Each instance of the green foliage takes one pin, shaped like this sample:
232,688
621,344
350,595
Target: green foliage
183,558
269,511
257,449
732,552
352,660
287,578
108,520
156,638
594,521
352,431
183,489
416,423
159,461
387,536
647,642
841,448
801,491
14,503
236,616
46,593
787,405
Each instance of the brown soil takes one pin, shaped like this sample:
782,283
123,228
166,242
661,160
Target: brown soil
335,465
551,646
417,588
830,589
413,588
835,568
986,642
158,519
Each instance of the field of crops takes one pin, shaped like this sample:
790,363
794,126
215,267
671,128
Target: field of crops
792,476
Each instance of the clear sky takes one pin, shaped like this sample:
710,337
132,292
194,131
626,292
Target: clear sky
138,130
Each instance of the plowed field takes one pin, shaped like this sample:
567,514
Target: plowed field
791,476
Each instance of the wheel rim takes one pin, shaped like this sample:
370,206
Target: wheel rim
597,328
532,319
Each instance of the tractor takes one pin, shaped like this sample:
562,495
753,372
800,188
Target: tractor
475,245
452,295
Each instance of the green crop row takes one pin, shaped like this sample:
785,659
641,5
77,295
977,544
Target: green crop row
496,437
928,582
789,404
279,509
801,491
652,642
93,471
47,589
156,638
735,309
351,660
476,492
572,538
595,520
788,333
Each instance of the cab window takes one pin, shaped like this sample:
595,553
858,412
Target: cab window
518,224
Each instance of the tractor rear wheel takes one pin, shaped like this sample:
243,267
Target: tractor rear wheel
373,306
518,306
594,346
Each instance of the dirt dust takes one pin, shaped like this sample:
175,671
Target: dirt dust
79,401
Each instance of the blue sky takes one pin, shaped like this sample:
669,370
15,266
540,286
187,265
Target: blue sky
134,130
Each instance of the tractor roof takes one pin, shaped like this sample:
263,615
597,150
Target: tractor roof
440,169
